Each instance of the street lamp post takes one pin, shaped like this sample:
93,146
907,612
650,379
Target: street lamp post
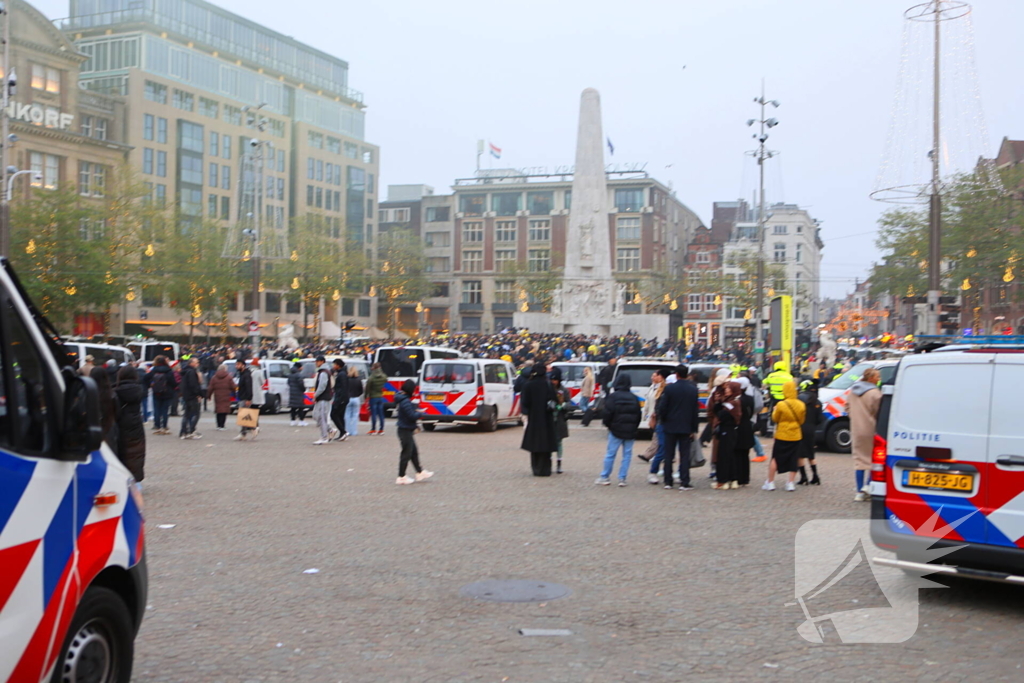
9,88
762,154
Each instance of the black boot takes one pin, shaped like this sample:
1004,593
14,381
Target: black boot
815,481
803,476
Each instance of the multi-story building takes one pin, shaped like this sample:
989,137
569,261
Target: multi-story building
61,135
201,86
508,225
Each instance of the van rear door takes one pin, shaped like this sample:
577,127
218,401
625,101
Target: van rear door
448,388
1005,490
498,387
938,447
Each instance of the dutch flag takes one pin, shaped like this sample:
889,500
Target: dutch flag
495,150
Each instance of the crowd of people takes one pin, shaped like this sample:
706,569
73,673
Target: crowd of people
736,407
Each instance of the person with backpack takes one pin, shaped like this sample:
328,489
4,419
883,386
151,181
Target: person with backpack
163,383
622,414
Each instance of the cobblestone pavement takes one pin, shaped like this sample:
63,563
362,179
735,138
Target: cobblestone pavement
665,585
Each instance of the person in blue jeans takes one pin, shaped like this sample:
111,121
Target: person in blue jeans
622,418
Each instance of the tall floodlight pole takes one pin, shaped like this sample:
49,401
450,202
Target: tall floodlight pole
5,142
762,154
935,200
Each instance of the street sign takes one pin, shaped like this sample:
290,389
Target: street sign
759,348
254,326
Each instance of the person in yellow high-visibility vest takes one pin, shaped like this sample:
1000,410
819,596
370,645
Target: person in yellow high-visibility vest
776,379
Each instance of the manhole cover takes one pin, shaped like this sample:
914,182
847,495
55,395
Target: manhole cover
515,591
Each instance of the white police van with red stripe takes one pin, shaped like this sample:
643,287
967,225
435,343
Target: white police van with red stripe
947,479
400,363
72,571
471,391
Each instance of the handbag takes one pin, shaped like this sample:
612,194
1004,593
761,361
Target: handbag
696,454
248,417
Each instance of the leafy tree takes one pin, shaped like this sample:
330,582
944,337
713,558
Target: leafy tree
536,287
399,273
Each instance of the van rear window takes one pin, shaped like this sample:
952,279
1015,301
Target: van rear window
400,362
154,350
449,373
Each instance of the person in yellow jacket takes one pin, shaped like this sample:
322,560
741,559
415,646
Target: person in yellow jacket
777,379
789,415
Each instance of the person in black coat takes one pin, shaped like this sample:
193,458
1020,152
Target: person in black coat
297,396
340,404
815,416
191,392
745,432
563,405
108,405
538,401
243,379
622,415
678,411
131,432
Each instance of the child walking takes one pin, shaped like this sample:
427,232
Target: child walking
408,417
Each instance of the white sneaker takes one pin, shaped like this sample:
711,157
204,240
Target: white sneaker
303,423
622,482
321,442
424,475
603,481
240,437
405,480
860,497
768,486
652,479
293,423
790,486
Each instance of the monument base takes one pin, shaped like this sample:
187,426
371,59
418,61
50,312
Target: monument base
647,325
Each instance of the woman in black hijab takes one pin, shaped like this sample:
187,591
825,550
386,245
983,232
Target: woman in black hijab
538,401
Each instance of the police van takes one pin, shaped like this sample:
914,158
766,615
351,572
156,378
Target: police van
72,570
572,379
639,369
834,431
77,350
400,363
947,470
471,391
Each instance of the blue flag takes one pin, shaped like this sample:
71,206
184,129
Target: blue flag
611,147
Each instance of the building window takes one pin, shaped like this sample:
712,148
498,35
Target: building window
46,167
280,193
540,230
161,163
191,137
280,165
627,260
161,129
225,208
629,200
540,203
156,92
779,230
799,254
225,177
799,229
502,259
100,129
211,206
472,232
538,260
319,198
505,292
329,174
208,107
310,168
316,140
232,115
472,261
440,289
147,127
92,179
161,195
709,303
147,161
309,195
437,214
506,203
472,204
402,215
505,231
437,239
568,200
45,78
780,252
225,146
694,303
367,156
214,174
472,292
191,169
351,151
438,264
703,257
319,170
87,126
627,228
334,146
214,144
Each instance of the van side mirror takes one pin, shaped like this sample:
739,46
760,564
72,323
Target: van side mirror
82,431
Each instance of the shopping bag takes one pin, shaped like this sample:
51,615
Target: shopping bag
696,454
364,412
248,417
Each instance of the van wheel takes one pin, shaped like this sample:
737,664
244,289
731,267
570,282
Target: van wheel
99,645
839,438
490,423
273,405
429,427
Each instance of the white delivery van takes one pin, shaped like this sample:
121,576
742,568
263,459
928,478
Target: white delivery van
468,391
947,471
145,351
275,383
101,353
71,531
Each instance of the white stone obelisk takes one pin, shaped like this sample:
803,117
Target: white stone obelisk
588,255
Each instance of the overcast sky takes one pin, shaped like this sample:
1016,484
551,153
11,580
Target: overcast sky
439,75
